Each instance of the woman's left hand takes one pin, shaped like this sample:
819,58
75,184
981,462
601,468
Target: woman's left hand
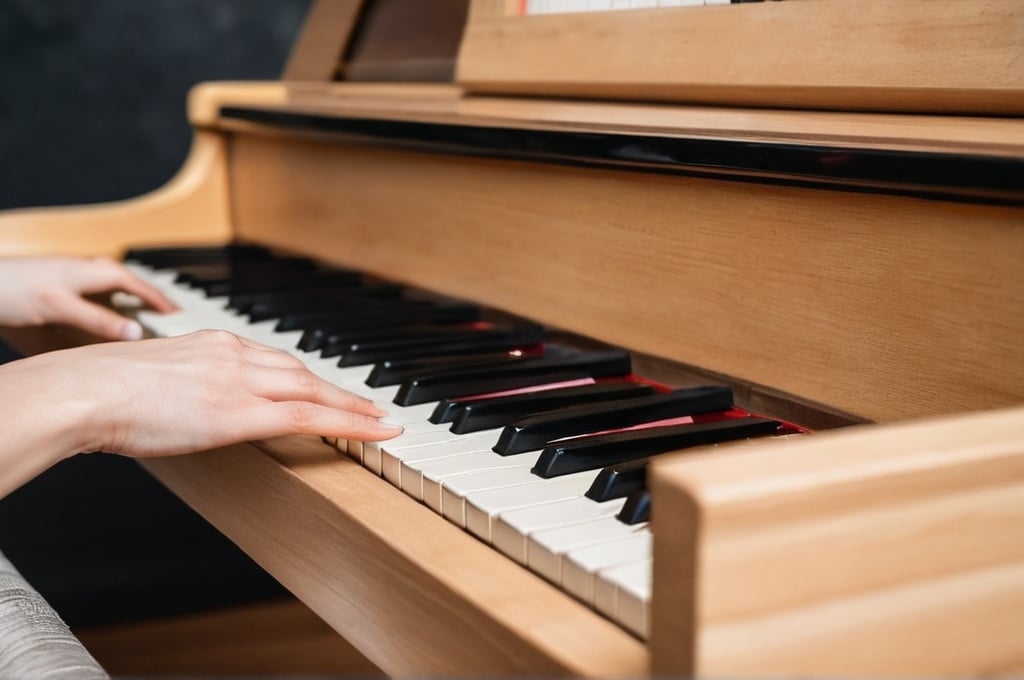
41,290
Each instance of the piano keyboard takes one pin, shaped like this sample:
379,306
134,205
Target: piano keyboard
538,449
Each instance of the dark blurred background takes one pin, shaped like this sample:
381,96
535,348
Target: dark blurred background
92,108
92,92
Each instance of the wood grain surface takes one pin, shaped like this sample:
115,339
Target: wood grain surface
912,55
875,550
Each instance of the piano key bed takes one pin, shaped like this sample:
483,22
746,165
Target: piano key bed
538,449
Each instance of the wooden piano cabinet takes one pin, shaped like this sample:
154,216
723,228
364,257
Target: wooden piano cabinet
412,592
892,551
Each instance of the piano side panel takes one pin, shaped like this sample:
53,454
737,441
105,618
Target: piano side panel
413,593
884,550
885,307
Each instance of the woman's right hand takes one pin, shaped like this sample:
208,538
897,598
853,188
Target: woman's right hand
185,394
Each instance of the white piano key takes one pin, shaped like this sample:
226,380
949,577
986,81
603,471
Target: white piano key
545,550
373,452
424,427
395,460
480,507
537,6
410,415
510,531
454,490
623,594
579,567
165,325
427,477
599,5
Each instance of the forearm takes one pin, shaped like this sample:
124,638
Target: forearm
166,397
40,427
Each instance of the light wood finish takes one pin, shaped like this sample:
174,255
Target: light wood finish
865,552
446,104
892,308
326,33
275,638
192,207
413,593
912,55
205,99
492,9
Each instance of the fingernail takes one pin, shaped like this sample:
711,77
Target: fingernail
387,422
378,411
131,331
400,428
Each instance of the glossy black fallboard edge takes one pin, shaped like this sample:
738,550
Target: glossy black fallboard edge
942,176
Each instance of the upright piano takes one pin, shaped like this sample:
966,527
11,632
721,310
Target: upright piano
817,203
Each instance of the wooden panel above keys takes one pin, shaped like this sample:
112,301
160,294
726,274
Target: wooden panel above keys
885,307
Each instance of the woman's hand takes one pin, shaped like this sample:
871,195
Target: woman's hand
41,290
166,396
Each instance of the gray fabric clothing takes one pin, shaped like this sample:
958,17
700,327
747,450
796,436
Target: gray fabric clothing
34,641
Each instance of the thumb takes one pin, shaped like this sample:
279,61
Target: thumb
98,320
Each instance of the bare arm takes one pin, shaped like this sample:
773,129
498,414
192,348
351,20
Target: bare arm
165,397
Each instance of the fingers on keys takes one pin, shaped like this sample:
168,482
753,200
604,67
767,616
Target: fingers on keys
109,275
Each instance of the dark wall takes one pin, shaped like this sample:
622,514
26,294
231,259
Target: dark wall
92,92
92,108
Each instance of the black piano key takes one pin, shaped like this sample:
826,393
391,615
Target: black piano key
345,341
397,371
373,352
263,306
534,432
342,340
167,258
271,281
637,508
592,453
243,302
618,481
545,369
194,274
383,311
485,414
447,410
316,297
